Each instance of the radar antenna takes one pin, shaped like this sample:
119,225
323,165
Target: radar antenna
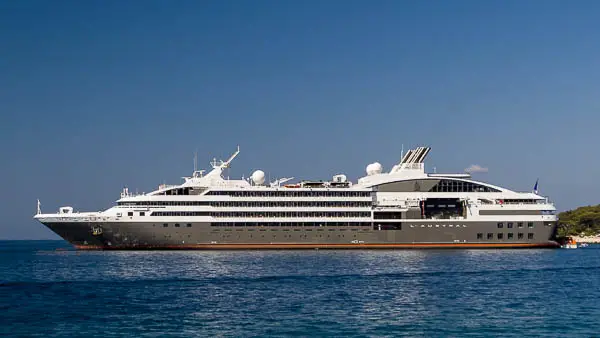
223,165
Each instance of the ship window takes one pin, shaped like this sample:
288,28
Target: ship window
530,224
529,236
142,213
165,225
520,224
520,235
130,213
490,235
479,236
500,225
500,235
446,185
177,225
509,225
510,235
189,225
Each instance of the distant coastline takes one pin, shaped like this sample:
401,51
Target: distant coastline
582,224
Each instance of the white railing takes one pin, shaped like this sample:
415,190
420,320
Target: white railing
126,193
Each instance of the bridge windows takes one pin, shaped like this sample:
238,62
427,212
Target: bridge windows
447,185
182,191
479,236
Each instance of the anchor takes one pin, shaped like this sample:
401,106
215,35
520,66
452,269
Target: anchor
97,231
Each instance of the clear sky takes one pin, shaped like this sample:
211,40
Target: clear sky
96,95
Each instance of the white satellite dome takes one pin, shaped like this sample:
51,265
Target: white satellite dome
370,169
377,167
374,168
258,177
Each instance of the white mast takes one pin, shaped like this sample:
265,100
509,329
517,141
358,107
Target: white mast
196,161
399,166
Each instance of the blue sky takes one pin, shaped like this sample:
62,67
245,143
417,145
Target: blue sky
96,95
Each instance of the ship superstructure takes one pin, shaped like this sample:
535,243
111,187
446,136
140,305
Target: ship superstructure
403,208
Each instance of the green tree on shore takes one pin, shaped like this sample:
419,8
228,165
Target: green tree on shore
581,221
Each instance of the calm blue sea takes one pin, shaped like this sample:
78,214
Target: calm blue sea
46,292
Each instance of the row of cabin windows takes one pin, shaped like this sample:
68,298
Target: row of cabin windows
294,204
290,214
292,193
460,186
259,204
288,224
180,213
262,214
164,203
521,201
500,235
510,225
166,225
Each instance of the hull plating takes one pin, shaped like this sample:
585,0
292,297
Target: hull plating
203,236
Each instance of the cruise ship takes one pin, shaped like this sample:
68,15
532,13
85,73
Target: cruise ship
403,208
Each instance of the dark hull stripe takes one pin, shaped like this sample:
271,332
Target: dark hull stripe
279,246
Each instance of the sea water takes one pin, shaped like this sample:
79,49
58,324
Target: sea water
48,290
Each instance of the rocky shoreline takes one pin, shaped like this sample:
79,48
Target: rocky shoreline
587,239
